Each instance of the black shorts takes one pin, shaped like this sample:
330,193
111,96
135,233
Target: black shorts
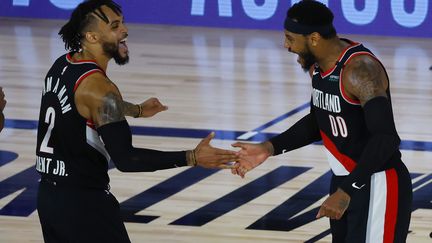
72,214
380,212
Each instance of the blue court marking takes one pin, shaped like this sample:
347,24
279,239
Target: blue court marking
282,117
201,133
240,196
319,236
282,217
7,156
160,192
20,124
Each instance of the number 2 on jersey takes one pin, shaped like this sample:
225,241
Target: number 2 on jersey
49,118
338,126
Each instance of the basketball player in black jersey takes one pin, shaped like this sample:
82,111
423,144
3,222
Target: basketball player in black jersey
351,113
2,106
82,127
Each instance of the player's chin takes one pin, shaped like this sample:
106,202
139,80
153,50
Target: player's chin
121,59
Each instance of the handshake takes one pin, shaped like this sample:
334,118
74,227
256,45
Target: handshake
248,157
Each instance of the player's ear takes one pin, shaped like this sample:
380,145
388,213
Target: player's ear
92,37
314,39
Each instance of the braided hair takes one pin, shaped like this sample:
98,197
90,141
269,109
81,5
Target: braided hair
82,18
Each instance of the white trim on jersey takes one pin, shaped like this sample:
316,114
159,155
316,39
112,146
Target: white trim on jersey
377,208
94,141
336,166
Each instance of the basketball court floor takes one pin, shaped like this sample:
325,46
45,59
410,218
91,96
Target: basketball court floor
243,85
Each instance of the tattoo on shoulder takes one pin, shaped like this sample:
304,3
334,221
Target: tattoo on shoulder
367,79
111,109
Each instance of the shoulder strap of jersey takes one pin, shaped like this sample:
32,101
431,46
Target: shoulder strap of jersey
85,68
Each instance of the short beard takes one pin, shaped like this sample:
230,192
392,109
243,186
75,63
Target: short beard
112,50
309,60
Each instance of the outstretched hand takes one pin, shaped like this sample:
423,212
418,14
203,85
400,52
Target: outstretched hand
251,155
211,157
151,107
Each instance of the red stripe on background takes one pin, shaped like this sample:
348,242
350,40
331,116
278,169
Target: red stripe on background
346,161
391,205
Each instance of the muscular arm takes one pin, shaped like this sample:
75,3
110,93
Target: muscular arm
365,79
99,100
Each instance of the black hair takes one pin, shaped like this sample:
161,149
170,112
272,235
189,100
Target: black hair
313,13
81,18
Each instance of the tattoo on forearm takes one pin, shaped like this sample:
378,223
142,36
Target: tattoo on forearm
111,109
129,109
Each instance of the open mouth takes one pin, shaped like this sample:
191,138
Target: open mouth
122,45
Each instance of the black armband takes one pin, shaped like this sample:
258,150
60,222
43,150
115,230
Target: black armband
382,144
302,133
117,138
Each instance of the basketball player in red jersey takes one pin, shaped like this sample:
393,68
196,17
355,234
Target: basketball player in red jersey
82,127
351,113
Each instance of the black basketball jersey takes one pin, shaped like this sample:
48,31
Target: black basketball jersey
69,149
340,119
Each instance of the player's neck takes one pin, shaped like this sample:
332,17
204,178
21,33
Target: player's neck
101,59
330,53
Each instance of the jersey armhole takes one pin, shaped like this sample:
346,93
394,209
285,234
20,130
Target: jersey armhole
85,75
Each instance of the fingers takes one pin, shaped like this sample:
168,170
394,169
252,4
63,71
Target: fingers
227,166
320,213
222,159
326,211
239,145
206,140
160,105
234,171
155,103
218,151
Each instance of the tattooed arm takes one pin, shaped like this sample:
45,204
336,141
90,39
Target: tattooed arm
130,109
99,100
148,108
364,79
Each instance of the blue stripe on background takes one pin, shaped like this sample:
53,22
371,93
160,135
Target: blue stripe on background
20,124
201,133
